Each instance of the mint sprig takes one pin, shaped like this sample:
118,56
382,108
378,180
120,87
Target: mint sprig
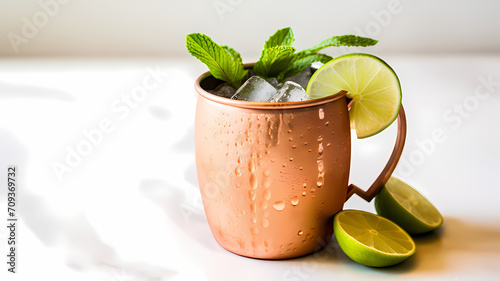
284,62
274,61
282,37
343,40
278,59
223,62
302,61
277,55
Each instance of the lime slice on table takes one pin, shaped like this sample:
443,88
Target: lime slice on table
405,206
369,81
370,239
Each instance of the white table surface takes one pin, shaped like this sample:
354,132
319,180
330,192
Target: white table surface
130,208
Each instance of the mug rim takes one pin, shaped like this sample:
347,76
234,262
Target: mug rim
262,105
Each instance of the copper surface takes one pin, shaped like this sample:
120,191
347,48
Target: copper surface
273,175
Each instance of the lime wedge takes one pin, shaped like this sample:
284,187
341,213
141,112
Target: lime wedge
371,240
405,206
369,81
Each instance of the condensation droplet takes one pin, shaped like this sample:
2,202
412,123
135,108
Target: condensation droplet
291,159
273,160
284,165
251,166
305,143
328,144
300,232
289,131
239,160
321,166
300,168
253,208
295,201
265,223
321,114
251,194
294,146
290,139
237,171
253,181
327,123
304,193
279,205
320,148
254,220
267,173
304,185
263,204
321,181
309,150
267,194
320,139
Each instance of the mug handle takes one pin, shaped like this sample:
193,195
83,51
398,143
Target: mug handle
384,176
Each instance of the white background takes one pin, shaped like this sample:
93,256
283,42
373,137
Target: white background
159,27
130,209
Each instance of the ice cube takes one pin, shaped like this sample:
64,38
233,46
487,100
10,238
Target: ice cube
223,90
273,81
290,91
255,89
315,66
302,78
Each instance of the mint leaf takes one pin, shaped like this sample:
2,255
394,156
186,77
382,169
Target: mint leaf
274,61
305,58
344,40
224,63
282,37
303,61
237,58
233,53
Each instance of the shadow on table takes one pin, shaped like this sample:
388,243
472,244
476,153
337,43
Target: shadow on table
436,250
73,235
435,253
183,206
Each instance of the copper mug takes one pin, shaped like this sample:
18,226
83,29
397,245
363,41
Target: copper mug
273,175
